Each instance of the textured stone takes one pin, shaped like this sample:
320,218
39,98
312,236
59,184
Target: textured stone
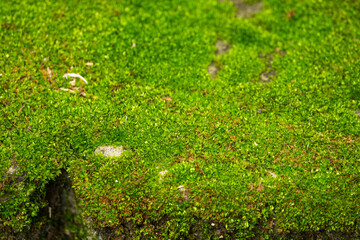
110,151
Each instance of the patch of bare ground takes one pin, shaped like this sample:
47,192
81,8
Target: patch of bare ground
245,10
222,47
270,73
357,112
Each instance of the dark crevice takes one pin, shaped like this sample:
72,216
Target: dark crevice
59,219
62,216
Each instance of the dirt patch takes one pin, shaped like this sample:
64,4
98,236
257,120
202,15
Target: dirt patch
245,10
270,74
213,69
357,112
222,47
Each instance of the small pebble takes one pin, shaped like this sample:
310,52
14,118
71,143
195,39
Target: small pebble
110,151
11,170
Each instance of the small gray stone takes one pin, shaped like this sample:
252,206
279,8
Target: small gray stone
222,47
11,170
110,151
185,192
213,69
162,173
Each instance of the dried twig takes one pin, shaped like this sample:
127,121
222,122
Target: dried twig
74,75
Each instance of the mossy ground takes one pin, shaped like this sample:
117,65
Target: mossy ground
222,139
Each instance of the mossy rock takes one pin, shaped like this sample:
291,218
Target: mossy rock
268,147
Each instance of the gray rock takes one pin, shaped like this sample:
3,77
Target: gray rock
110,151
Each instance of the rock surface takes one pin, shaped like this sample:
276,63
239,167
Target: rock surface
110,151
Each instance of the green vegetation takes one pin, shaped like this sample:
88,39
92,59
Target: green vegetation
222,139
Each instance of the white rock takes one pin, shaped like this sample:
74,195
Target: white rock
162,173
11,170
185,192
110,151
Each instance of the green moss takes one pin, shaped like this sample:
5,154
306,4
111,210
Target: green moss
149,91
